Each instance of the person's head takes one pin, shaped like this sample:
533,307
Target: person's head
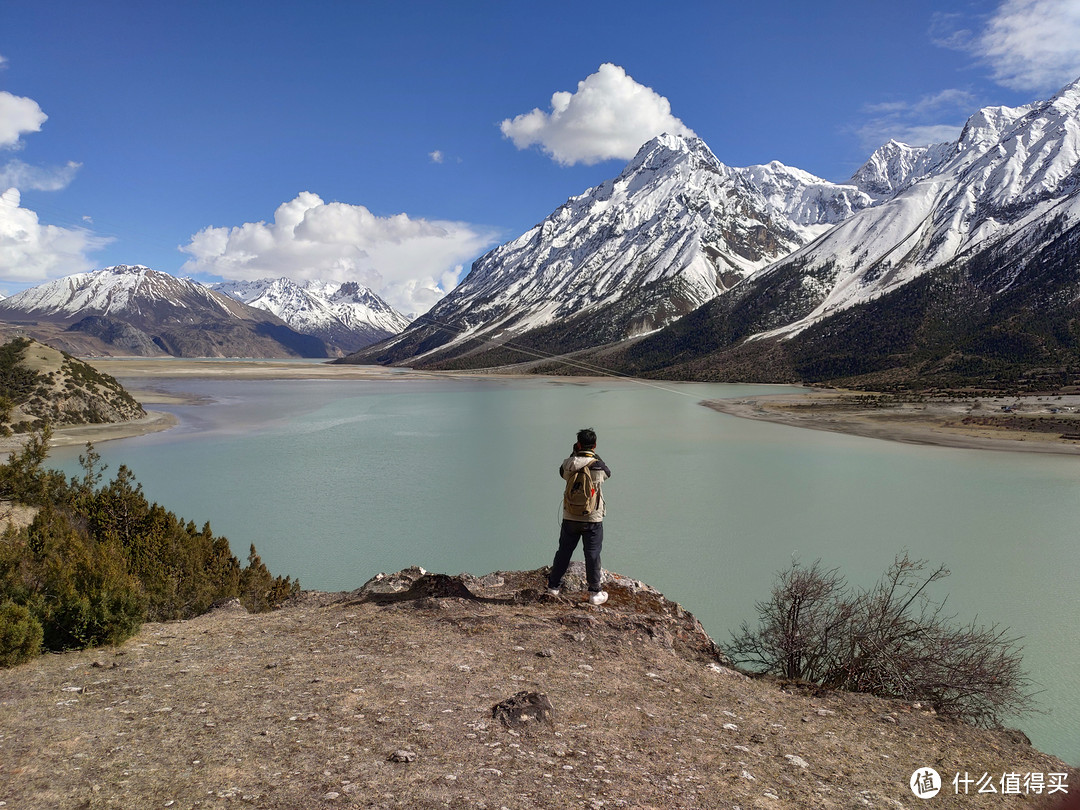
586,439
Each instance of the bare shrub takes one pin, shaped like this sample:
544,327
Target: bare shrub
891,640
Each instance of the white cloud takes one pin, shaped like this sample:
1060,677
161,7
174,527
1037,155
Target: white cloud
411,263
32,252
26,177
918,122
18,115
437,156
1029,45
1032,44
609,116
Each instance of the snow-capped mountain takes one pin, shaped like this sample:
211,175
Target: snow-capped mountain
124,290
675,229
346,316
151,308
895,166
968,274
810,204
1010,171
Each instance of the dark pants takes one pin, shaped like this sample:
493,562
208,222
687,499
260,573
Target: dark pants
592,540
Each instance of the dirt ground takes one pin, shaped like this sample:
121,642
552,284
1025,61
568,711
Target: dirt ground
1033,424
383,698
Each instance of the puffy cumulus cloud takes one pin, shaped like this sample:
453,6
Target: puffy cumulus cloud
18,115
32,252
609,116
1032,44
410,263
26,177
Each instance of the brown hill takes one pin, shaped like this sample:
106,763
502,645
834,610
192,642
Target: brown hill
41,384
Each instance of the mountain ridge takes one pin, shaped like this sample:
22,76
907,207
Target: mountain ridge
981,217
673,230
344,315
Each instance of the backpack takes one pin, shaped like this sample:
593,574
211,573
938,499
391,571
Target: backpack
581,496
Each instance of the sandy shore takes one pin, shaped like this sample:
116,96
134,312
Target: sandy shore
180,367
1026,424
81,434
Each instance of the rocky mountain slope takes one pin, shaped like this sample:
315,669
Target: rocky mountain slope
129,309
40,384
950,264
675,229
345,316
967,275
428,691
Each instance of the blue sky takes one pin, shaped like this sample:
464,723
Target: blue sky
394,142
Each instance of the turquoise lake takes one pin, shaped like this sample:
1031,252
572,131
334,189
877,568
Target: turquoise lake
335,481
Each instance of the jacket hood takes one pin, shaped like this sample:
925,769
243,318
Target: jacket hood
575,463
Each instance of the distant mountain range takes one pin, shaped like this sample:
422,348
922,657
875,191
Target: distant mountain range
135,310
674,230
954,264
948,264
345,316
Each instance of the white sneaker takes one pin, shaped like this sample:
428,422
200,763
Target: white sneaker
598,598
553,591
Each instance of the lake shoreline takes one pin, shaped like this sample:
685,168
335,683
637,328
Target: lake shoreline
1027,424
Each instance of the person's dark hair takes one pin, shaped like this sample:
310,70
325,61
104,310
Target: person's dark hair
586,438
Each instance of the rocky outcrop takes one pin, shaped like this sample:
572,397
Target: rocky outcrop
633,606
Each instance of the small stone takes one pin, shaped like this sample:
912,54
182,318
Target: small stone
825,712
749,776
333,794
887,718
401,755
523,709
797,760
731,727
546,653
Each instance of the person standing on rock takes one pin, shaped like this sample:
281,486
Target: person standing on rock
583,515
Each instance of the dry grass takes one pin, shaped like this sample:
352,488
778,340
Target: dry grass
304,707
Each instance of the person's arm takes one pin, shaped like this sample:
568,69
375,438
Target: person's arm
600,465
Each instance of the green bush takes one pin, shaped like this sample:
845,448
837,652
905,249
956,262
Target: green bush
99,559
20,634
85,596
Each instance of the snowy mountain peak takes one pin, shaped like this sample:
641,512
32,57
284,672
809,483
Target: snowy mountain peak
664,151
345,315
118,290
812,204
987,127
1012,171
1068,97
895,166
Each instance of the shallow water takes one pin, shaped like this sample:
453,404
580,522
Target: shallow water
335,481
